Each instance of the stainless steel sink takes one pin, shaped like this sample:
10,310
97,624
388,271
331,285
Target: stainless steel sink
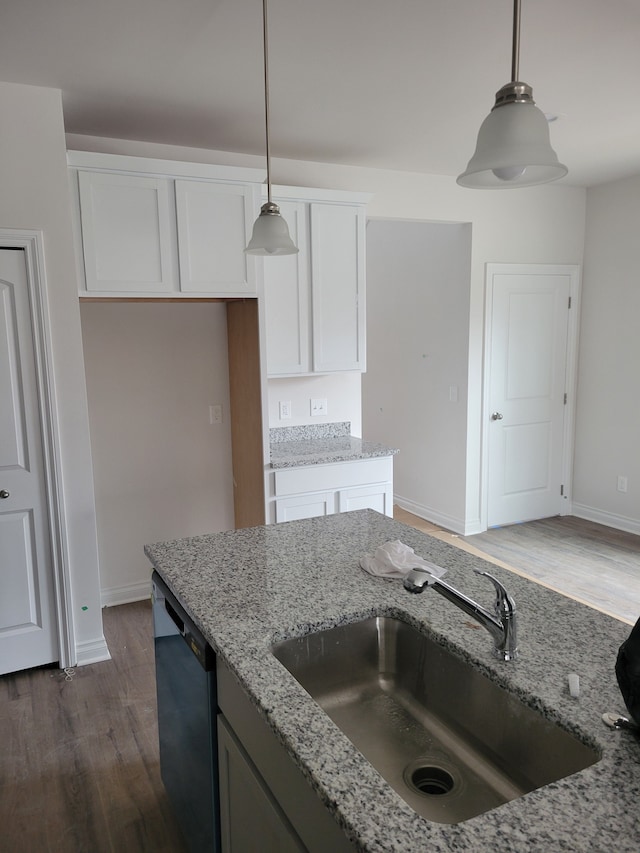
448,739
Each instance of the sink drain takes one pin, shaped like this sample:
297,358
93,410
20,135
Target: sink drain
430,780
433,781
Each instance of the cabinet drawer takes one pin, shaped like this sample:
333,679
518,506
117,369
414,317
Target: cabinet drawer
340,475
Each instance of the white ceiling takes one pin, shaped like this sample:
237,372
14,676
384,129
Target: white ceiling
400,84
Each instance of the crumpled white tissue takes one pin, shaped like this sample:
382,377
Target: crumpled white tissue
395,560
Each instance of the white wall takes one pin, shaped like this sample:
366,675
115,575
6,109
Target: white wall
415,389
533,225
608,416
34,195
161,470
342,391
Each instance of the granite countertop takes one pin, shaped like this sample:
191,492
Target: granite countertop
249,588
320,444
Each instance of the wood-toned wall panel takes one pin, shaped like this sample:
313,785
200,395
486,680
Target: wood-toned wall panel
246,412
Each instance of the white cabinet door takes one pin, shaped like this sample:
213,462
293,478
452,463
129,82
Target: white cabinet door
378,497
305,506
251,821
315,300
214,220
127,233
338,287
287,299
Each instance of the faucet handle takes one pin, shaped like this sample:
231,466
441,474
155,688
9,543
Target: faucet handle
505,605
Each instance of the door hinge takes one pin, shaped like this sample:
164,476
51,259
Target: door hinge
561,491
569,302
565,398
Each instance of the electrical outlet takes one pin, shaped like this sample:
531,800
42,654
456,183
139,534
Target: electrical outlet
318,407
215,413
285,409
622,483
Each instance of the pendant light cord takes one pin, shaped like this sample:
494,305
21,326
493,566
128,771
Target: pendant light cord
515,54
265,53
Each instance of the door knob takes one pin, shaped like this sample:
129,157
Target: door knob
4,493
497,416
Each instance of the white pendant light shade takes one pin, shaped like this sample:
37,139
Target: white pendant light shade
513,150
270,234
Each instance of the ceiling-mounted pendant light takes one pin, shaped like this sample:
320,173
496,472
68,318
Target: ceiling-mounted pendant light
513,149
270,232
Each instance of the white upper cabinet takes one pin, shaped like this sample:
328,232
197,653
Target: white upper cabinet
287,288
315,300
163,228
338,287
214,227
127,233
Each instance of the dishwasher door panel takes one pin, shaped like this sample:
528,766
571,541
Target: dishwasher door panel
187,708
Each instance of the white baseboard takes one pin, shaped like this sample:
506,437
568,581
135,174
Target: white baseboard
620,522
92,651
456,525
125,594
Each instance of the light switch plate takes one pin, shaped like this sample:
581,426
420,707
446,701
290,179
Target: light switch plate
318,407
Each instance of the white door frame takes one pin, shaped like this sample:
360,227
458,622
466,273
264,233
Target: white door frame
33,244
571,375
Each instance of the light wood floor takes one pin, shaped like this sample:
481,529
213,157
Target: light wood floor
596,565
79,767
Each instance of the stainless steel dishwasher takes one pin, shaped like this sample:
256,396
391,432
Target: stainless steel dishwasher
187,708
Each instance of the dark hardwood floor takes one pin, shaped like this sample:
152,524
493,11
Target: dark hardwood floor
79,766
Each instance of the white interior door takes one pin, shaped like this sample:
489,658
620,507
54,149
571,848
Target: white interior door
28,633
527,383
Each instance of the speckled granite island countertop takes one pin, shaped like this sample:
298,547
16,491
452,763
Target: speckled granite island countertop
320,444
251,587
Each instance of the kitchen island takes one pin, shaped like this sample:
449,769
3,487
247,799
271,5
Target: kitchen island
247,589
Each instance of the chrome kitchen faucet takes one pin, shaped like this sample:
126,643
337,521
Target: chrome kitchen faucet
502,626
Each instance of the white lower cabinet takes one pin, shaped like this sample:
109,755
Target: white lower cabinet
266,804
251,821
305,506
312,490
378,497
